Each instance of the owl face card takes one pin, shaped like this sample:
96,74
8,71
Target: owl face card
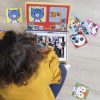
80,91
47,17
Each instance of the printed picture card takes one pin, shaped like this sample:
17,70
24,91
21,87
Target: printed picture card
78,39
14,15
93,27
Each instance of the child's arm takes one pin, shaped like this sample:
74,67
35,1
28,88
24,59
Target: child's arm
54,68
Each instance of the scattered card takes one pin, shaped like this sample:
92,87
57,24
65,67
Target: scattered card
78,39
76,25
80,91
14,15
74,21
93,27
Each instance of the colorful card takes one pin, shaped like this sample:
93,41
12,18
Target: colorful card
83,27
76,25
80,91
14,15
93,27
74,21
78,39
47,16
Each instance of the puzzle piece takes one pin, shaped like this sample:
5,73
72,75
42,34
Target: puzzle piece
78,39
80,91
93,27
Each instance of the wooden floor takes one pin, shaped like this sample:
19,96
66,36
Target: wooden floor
85,61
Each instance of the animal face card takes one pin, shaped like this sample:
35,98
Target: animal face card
14,15
47,16
76,25
58,41
82,27
93,27
78,39
74,21
80,91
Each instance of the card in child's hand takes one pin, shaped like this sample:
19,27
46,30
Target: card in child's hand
80,91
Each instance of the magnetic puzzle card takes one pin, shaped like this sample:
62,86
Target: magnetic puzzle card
76,24
78,39
80,91
74,21
47,16
14,15
93,27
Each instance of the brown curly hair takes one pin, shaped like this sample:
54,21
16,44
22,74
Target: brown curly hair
19,58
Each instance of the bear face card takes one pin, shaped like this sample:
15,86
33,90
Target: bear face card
14,15
47,16
80,91
93,27
78,39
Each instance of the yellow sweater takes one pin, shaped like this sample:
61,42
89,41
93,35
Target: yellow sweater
38,88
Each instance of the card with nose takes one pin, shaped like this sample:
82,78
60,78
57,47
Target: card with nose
80,91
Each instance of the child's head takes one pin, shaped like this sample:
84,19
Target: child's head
19,58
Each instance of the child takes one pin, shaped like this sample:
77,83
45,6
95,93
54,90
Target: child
26,71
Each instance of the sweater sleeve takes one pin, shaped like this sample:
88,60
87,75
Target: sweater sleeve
54,67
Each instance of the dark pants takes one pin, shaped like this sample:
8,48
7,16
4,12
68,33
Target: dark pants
57,87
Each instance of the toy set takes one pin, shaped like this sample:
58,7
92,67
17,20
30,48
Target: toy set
51,22
80,29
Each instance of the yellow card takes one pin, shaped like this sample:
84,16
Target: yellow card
14,15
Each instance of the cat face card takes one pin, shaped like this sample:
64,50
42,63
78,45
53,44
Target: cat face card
80,91
47,16
78,39
93,27
14,15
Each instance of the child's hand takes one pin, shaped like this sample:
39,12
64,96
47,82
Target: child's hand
2,35
43,49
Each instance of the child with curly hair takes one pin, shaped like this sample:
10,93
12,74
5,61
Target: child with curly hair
26,71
